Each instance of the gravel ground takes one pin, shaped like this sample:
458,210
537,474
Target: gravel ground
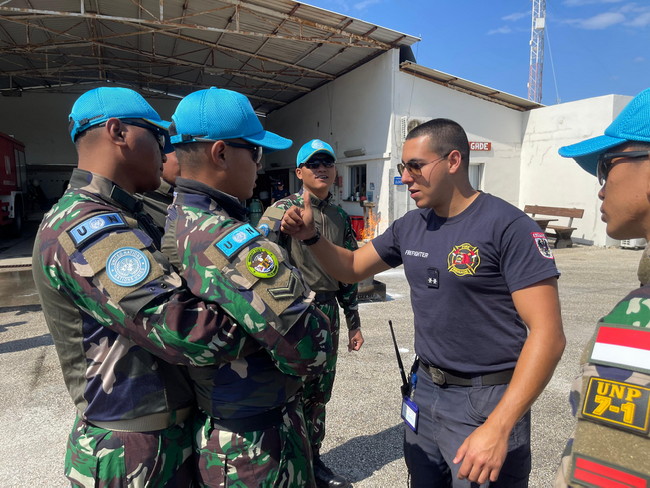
364,439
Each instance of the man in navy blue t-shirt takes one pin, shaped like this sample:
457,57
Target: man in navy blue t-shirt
488,330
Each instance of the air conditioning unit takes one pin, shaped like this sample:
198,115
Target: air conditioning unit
407,124
633,243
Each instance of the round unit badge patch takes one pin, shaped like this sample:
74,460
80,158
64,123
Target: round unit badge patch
463,260
127,266
262,263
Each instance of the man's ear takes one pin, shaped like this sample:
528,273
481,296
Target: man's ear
299,173
455,161
218,155
115,130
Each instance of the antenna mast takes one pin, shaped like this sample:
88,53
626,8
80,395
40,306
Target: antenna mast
537,51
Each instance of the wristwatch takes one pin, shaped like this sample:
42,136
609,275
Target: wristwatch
312,240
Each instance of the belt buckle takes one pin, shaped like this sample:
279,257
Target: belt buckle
437,376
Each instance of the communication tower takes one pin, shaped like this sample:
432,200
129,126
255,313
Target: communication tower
537,51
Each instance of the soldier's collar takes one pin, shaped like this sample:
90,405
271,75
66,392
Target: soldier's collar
228,203
125,199
317,202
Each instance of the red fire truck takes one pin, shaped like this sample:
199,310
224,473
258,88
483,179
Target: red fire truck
13,176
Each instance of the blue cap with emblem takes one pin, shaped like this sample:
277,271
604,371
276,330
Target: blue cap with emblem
98,105
632,124
217,114
311,148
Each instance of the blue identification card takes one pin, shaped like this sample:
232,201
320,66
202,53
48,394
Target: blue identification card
410,412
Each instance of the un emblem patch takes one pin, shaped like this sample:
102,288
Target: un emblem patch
127,266
262,263
264,229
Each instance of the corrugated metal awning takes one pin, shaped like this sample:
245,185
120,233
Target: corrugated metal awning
273,51
471,88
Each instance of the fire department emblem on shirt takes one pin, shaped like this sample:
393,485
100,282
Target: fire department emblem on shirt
463,260
262,263
127,266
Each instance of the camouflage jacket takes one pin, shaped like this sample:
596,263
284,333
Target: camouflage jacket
102,281
335,225
611,399
226,261
155,203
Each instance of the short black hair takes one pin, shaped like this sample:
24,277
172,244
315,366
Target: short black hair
444,135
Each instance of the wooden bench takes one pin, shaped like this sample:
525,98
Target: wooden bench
562,233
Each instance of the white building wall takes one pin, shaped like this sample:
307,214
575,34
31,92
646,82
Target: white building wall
483,120
351,112
550,180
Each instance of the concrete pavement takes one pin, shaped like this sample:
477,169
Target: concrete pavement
364,435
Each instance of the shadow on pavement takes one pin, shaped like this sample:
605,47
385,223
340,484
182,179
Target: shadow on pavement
24,344
358,458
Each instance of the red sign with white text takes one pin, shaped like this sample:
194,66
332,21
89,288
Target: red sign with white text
480,146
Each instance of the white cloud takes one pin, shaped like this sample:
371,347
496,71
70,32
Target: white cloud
501,30
639,59
364,4
597,22
515,16
642,20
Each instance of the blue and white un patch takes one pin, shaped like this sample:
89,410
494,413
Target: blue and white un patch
127,266
236,239
90,227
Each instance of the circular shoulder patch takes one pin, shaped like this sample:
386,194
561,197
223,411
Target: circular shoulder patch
127,266
262,263
264,229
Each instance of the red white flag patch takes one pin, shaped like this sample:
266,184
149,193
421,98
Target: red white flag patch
622,346
542,244
591,472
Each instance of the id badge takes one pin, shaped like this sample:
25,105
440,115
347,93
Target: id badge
410,413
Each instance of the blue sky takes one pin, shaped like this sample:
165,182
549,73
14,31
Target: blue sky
592,48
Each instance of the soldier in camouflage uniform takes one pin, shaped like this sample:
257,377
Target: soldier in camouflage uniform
315,167
111,298
611,398
252,433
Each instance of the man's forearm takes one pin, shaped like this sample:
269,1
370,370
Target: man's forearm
337,261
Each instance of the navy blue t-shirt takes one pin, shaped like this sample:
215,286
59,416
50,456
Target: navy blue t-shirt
462,271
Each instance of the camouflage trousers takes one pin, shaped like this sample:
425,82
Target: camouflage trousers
318,389
101,458
277,457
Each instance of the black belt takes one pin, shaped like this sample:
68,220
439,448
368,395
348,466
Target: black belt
455,378
261,421
325,296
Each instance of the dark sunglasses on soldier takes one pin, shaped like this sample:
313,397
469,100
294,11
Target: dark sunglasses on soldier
317,162
256,151
158,133
606,163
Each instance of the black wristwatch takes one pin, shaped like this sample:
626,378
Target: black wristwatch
312,240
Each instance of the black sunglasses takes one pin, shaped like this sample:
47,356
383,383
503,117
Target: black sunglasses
159,134
256,151
316,163
415,168
605,163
